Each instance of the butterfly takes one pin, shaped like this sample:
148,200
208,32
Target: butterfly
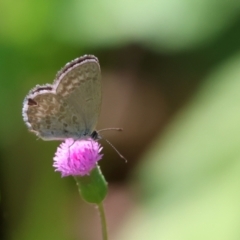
68,108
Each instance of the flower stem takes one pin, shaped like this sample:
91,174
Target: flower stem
103,221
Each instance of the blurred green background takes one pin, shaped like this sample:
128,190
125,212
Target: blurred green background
171,79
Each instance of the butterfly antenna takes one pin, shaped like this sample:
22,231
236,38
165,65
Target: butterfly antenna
121,156
106,129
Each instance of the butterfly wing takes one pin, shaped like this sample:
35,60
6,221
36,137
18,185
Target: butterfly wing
70,107
79,83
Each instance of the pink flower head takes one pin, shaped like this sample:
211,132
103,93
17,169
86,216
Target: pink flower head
77,157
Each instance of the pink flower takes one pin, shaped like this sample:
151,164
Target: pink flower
77,157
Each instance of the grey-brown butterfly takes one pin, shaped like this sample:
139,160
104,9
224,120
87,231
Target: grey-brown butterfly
68,108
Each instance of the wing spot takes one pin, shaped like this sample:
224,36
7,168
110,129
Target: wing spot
88,99
74,119
62,109
42,88
31,102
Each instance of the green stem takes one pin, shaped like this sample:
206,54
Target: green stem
103,221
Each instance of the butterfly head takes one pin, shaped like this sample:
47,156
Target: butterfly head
95,135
